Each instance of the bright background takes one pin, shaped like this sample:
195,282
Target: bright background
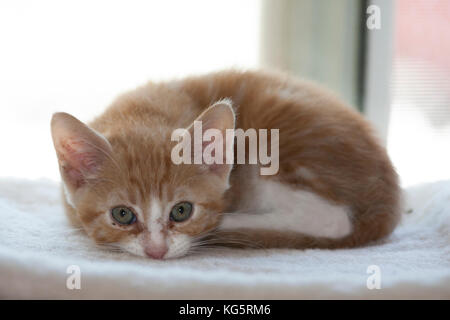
419,128
76,56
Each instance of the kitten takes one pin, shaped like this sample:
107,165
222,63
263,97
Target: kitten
335,186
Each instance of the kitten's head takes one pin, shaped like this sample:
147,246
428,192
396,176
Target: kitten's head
126,191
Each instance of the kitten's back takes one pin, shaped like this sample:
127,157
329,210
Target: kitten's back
326,149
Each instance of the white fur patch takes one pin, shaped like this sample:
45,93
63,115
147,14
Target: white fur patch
178,246
155,222
68,196
133,245
281,208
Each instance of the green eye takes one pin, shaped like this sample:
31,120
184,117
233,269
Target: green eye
181,211
123,215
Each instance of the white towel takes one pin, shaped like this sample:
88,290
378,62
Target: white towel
37,246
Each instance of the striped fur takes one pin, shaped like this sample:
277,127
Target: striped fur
329,157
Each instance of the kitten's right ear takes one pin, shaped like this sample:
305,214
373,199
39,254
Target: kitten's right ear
80,150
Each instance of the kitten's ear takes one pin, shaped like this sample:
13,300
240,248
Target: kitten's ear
80,150
217,142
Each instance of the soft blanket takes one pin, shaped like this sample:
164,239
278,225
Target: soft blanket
38,248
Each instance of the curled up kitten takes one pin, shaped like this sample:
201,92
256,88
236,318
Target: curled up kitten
314,176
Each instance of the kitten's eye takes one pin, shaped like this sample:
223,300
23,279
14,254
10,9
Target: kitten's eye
181,211
123,215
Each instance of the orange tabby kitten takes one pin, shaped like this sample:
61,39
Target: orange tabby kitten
335,185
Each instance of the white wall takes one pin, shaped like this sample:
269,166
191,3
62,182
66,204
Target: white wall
76,56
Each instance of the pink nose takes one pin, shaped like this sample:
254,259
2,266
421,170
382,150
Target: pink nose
156,253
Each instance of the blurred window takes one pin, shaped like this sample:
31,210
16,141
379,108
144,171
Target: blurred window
419,130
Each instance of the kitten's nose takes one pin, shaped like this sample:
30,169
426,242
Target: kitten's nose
156,252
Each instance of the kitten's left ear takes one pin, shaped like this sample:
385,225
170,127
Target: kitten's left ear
81,151
218,140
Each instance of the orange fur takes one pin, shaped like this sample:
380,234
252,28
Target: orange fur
317,131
